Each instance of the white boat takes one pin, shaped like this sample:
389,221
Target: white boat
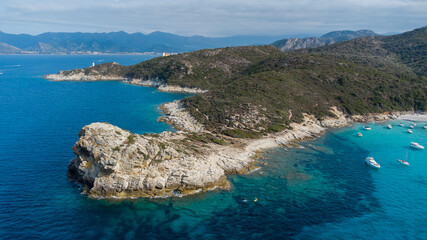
367,128
403,162
412,126
359,134
425,127
401,125
416,146
389,126
371,162
409,131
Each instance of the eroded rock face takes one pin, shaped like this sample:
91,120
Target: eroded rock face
112,162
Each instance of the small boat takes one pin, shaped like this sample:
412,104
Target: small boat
371,162
401,125
425,127
409,131
412,126
367,128
416,146
389,126
403,162
359,134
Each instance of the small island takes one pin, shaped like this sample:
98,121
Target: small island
246,99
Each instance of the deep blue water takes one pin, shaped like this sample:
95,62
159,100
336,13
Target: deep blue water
320,191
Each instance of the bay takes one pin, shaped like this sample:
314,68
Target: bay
320,191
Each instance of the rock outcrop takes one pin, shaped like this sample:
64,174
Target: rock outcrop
102,72
112,162
162,86
116,72
179,118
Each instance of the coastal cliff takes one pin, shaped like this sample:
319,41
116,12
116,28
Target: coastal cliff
249,99
113,163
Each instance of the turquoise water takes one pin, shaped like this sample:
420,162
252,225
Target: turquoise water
321,191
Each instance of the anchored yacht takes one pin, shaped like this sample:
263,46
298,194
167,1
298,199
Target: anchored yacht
371,162
416,146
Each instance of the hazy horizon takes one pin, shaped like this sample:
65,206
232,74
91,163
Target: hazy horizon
217,18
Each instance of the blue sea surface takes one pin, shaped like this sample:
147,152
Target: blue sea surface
322,190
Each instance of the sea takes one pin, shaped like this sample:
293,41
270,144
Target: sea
320,190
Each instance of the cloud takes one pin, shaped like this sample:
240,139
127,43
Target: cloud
212,18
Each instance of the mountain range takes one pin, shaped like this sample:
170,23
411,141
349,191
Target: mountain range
122,42
118,42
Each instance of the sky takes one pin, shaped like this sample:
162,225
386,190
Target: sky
213,18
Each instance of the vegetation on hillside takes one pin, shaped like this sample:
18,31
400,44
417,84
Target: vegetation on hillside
256,90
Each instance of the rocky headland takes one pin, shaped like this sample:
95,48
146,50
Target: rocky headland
247,99
113,163
114,72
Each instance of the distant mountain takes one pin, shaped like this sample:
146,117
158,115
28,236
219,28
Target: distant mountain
327,39
8,49
118,42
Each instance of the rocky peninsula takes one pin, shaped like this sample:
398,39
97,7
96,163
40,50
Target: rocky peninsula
113,163
247,99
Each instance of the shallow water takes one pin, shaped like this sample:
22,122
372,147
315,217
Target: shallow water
321,191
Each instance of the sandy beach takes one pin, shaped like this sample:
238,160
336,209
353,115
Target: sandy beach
416,117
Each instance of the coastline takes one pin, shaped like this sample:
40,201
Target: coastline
114,163
156,83
415,117
108,159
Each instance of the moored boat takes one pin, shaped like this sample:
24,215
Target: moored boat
416,146
411,126
389,126
403,162
371,162
409,131
359,134
401,125
367,128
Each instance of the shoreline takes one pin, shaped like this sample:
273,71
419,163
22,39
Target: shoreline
210,163
156,83
108,159
416,117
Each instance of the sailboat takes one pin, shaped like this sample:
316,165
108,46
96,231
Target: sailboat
403,162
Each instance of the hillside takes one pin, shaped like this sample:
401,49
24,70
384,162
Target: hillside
118,42
256,90
327,39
